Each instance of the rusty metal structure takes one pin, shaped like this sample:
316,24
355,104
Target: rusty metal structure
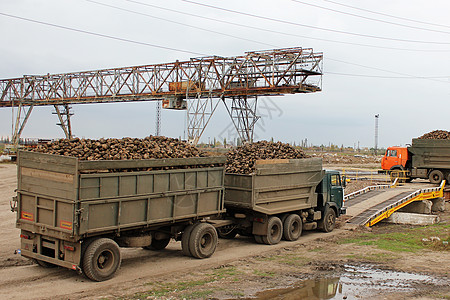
197,85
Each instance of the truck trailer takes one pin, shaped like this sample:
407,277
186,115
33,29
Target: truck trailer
425,158
76,214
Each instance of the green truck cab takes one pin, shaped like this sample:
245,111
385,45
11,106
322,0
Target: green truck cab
330,192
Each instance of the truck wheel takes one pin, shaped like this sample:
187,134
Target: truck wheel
436,176
329,220
158,244
258,239
101,259
185,240
292,227
203,240
274,231
397,173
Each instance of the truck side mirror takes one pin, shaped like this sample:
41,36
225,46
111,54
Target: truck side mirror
344,181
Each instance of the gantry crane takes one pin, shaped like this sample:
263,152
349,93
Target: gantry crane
196,85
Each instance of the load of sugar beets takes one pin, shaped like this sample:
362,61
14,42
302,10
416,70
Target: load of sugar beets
436,135
152,147
241,160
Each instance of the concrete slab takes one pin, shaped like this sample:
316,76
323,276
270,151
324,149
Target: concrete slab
438,205
412,219
418,207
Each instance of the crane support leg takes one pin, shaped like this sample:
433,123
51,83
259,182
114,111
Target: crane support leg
20,119
64,114
243,115
199,113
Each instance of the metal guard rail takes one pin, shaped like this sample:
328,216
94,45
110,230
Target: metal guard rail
419,195
370,188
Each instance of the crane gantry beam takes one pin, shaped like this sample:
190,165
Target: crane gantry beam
178,84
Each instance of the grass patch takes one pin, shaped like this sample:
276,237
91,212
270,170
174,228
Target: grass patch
162,289
411,240
197,294
374,257
288,259
263,273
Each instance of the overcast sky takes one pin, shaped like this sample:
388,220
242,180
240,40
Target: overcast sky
401,73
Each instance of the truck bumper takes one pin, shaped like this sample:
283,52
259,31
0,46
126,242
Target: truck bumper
343,210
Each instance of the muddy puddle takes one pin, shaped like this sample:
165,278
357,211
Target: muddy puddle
353,282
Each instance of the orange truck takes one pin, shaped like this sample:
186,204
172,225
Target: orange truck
425,158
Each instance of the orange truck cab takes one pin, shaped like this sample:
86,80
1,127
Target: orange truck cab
395,158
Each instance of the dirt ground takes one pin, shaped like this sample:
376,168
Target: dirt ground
240,268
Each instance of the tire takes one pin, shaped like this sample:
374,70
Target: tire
292,227
328,222
185,240
258,239
274,231
101,259
158,244
397,173
203,240
44,264
227,233
436,176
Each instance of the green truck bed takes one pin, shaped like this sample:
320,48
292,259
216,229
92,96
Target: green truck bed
430,154
65,198
276,186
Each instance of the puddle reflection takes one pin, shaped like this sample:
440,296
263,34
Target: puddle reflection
354,282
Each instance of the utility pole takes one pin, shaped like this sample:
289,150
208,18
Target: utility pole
377,116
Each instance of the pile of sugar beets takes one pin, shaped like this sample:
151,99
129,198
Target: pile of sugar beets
240,160
436,135
121,149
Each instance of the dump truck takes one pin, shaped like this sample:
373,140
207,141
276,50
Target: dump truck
425,158
77,214
280,199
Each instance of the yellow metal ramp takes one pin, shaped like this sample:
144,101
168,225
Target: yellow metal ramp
383,210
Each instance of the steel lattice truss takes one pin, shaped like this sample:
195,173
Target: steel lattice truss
273,72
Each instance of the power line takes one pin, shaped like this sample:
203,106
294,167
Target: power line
383,70
368,18
174,49
283,33
314,27
101,35
387,77
176,22
387,15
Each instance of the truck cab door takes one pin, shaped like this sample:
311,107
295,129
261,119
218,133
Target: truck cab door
336,190
390,159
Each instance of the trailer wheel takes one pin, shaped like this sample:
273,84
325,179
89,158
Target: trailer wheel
292,227
258,239
203,240
436,176
329,220
101,259
185,240
274,231
157,244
